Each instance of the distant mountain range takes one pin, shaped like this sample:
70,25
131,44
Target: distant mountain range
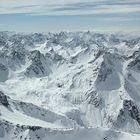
69,85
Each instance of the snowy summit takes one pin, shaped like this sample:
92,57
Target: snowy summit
69,85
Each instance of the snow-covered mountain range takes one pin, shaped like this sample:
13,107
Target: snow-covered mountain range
69,85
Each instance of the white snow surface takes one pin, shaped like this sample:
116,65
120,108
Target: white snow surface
68,86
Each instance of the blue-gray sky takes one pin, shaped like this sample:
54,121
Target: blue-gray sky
69,15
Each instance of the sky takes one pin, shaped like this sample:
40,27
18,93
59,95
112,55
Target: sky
70,15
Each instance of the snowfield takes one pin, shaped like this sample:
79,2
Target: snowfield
69,85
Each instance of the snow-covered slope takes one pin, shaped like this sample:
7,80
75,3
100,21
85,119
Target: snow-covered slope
81,85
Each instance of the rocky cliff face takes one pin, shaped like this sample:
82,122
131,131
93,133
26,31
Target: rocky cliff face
3,99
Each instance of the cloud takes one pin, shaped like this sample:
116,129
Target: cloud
69,7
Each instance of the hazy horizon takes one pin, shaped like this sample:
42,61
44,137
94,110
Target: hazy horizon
70,15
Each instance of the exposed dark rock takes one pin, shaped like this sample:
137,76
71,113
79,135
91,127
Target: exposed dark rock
131,109
37,66
34,128
93,98
3,99
135,63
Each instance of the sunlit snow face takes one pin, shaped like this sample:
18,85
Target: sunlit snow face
70,15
